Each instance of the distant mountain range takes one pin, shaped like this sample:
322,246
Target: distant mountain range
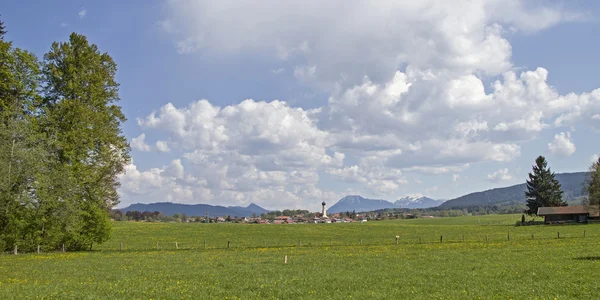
169,209
571,185
358,204
417,202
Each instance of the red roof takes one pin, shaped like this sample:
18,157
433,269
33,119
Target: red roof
562,210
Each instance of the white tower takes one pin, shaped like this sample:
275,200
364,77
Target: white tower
324,211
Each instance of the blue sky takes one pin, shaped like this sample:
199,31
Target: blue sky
385,100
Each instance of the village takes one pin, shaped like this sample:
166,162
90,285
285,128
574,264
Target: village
272,217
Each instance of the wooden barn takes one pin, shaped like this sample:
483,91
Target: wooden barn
564,214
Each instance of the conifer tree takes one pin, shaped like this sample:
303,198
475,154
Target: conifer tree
592,188
2,30
543,190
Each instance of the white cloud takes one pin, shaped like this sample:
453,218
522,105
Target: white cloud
162,146
594,158
82,13
364,38
562,144
455,177
406,94
379,180
278,71
431,190
166,26
500,175
138,143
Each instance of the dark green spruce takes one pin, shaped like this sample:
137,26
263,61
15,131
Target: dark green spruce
543,190
591,188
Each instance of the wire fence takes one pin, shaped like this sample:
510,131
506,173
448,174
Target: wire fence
219,243
215,244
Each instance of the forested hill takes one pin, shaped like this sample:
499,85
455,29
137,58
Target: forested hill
571,185
169,209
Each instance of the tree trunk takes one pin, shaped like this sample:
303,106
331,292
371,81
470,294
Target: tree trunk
12,153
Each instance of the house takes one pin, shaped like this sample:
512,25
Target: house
283,219
564,214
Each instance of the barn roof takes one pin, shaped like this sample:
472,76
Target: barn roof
562,210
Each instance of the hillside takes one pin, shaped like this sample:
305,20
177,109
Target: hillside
417,202
571,184
360,204
169,209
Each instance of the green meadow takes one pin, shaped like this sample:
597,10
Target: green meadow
483,257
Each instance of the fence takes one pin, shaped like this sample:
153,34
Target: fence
208,243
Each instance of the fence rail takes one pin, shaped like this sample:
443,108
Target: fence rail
208,243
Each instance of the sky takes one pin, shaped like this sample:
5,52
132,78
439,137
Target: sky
289,103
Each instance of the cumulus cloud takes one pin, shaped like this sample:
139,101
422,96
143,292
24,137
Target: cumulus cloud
406,94
364,38
162,146
139,143
82,13
562,144
500,175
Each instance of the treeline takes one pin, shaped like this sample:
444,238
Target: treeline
152,216
61,146
404,213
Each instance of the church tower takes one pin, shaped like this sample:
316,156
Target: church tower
324,211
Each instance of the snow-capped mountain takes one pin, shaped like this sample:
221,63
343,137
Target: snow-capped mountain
360,204
417,202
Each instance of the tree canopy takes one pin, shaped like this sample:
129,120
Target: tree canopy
543,190
62,147
592,188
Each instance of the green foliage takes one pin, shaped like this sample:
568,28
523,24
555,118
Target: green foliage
63,149
592,188
543,190
2,30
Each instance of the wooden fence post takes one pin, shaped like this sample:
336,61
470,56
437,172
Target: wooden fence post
204,244
63,248
228,245
16,251
508,236
156,245
176,245
441,238
285,260
361,242
38,250
397,238
121,246
558,235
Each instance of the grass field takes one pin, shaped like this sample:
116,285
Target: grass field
330,263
